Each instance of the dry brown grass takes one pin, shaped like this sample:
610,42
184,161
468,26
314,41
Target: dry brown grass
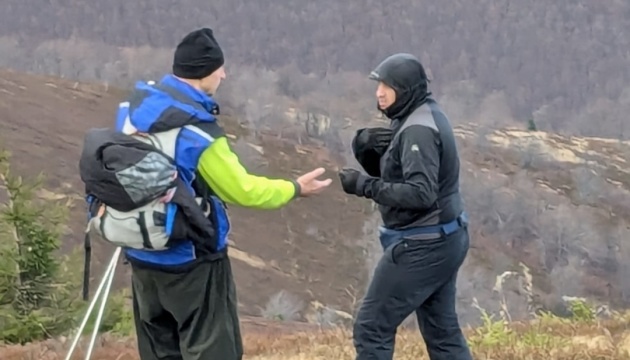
583,336
559,341
543,339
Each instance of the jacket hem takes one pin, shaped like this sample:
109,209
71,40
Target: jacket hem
177,268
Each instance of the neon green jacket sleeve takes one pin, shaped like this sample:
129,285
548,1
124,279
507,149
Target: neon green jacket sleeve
223,172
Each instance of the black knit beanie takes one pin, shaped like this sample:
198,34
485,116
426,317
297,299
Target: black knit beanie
197,55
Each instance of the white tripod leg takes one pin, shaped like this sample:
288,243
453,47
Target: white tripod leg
101,311
107,276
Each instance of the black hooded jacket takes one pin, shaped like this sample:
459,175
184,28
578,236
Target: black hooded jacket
419,182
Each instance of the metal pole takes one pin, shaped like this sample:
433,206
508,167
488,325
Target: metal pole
109,272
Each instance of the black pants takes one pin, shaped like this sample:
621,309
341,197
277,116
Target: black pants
414,276
188,316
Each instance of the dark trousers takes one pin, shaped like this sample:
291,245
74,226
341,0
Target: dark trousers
414,276
187,316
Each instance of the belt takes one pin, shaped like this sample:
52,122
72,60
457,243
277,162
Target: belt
388,237
453,226
443,229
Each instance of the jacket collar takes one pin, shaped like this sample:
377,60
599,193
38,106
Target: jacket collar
197,96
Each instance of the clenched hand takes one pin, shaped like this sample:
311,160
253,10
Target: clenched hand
376,139
352,181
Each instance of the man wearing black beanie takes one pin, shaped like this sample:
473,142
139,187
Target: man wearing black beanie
199,59
184,297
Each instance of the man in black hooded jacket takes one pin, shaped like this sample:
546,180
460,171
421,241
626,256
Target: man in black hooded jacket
413,176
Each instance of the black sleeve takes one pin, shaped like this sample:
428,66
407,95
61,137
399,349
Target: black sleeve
420,159
366,155
369,160
368,145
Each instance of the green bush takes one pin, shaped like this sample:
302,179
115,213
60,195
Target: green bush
40,291
582,311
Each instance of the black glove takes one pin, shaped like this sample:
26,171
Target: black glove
368,146
352,181
376,139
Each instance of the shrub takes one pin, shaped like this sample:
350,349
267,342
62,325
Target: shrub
40,289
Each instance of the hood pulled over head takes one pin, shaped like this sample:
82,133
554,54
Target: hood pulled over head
405,74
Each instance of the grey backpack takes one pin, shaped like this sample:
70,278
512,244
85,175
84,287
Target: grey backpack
134,192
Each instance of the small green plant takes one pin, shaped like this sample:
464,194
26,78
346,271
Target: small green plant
39,288
117,318
581,310
29,236
492,332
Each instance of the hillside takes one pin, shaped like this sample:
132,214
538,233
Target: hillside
562,63
556,204
302,248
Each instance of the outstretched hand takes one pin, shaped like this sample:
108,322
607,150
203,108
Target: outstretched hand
310,185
